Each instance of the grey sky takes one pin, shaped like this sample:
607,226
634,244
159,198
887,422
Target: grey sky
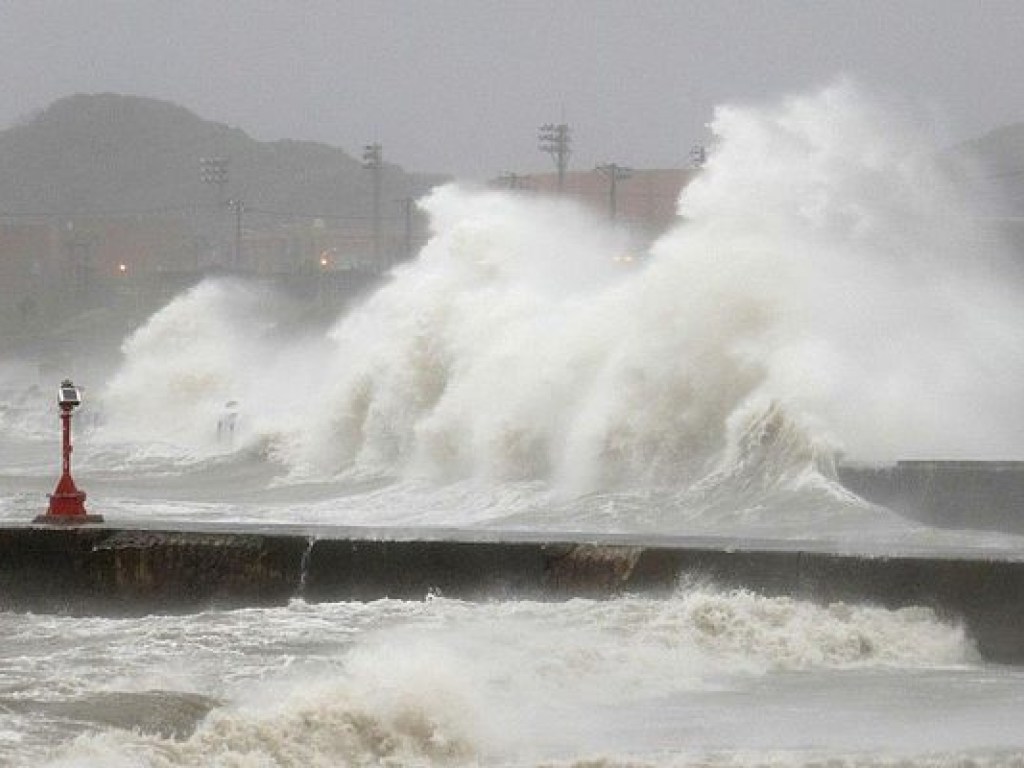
461,86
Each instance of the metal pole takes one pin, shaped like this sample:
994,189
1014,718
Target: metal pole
555,140
65,418
373,162
238,234
407,202
238,207
376,220
214,171
614,173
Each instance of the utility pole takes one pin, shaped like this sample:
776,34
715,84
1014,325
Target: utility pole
407,209
555,140
238,207
214,171
79,246
373,162
614,173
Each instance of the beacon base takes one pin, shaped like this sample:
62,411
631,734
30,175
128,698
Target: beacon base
68,519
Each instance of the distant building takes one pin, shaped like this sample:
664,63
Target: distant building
26,255
54,267
646,201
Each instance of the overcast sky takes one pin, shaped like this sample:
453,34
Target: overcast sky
460,86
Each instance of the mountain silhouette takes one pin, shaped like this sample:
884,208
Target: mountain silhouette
111,153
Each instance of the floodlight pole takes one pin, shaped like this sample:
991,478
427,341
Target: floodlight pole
555,140
408,204
238,207
373,162
214,170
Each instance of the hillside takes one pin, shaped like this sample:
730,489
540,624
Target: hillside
996,168
109,152
1000,148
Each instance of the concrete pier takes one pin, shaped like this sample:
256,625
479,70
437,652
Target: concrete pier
982,495
112,571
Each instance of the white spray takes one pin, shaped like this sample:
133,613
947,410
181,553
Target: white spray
825,289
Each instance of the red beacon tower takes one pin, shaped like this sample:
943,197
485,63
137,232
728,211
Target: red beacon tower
67,503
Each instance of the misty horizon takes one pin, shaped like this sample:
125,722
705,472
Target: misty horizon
462,88
721,467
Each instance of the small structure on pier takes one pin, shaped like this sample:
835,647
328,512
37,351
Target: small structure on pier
67,503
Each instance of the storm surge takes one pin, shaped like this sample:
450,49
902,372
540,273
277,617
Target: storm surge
825,291
826,294
705,677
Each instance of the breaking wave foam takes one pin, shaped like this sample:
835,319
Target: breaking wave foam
825,289
450,683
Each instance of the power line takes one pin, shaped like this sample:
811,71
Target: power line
98,214
325,216
124,212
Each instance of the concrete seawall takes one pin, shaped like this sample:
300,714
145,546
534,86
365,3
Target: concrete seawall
114,571
986,495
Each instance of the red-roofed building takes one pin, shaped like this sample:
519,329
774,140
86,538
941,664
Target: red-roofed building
645,201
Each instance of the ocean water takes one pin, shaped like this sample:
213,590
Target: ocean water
827,293
702,678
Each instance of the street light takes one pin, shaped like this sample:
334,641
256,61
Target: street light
214,170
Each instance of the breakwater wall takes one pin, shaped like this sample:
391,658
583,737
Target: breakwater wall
120,571
983,495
